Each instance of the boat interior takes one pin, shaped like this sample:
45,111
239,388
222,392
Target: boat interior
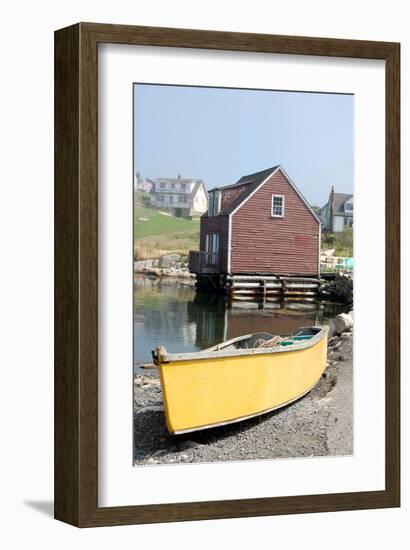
266,340
240,344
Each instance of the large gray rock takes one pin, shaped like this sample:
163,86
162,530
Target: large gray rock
139,265
343,323
169,260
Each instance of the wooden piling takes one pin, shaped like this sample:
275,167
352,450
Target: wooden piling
270,288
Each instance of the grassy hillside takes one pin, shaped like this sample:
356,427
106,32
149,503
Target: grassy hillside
156,234
148,221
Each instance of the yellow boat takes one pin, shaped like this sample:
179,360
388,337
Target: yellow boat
244,377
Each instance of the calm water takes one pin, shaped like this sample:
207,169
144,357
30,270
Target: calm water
171,314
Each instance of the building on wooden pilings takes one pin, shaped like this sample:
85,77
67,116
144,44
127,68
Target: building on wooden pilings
259,239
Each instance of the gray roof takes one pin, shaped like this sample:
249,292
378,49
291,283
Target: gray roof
339,200
321,211
252,181
250,178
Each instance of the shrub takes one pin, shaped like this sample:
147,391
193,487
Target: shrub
343,242
142,197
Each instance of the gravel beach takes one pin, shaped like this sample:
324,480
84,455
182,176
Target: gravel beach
319,424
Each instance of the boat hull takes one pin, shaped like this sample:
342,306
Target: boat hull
209,391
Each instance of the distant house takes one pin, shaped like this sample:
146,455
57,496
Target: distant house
181,197
144,184
260,225
337,213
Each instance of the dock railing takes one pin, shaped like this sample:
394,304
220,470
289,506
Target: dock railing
336,263
203,262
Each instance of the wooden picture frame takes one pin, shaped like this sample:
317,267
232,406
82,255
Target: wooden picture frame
76,335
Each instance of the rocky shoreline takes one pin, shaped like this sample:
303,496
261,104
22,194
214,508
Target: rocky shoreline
170,265
340,289
319,424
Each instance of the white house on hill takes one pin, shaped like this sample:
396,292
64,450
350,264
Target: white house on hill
337,213
181,197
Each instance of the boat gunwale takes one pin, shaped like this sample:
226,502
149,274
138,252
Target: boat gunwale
219,354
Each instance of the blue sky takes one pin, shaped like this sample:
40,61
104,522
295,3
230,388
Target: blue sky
220,134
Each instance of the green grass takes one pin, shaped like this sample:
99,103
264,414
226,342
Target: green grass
157,234
159,224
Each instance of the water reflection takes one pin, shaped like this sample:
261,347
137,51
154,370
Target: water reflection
169,313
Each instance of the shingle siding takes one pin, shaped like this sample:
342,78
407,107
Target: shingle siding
228,195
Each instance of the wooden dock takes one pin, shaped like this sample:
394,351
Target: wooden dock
271,288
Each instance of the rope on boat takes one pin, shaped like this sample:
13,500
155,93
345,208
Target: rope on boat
271,343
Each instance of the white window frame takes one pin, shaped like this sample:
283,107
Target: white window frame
217,202
211,200
283,206
214,203
212,241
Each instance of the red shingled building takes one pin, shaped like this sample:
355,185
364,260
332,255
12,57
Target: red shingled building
260,225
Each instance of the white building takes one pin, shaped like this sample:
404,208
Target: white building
181,197
337,213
